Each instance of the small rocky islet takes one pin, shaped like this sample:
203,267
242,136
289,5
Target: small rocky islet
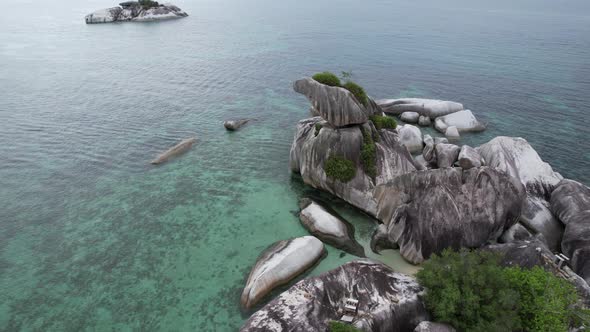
136,11
428,194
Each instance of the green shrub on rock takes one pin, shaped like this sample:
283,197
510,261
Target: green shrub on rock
383,122
340,168
358,92
318,127
148,3
327,78
369,154
334,326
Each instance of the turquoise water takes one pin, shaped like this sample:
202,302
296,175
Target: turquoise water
92,237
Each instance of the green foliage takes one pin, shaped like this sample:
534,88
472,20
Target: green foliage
334,326
318,127
368,154
383,121
545,300
358,92
346,75
327,78
148,3
469,291
339,168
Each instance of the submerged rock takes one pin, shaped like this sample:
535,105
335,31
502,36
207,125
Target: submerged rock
427,107
133,11
235,124
329,228
433,327
469,157
424,121
428,211
176,150
465,121
278,265
388,301
410,117
452,134
570,201
411,137
446,154
336,105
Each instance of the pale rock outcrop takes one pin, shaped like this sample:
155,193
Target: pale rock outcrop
278,265
433,327
174,151
411,137
388,301
469,157
309,153
428,211
465,121
570,201
424,121
537,216
410,117
133,11
429,152
446,154
336,105
452,134
428,107
329,228
515,233
232,125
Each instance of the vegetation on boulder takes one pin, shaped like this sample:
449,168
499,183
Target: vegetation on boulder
327,78
472,292
148,3
383,122
340,168
318,127
334,326
369,154
358,92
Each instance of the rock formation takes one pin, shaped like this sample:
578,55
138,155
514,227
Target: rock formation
134,11
428,211
388,301
465,121
232,125
446,154
329,228
424,121
426,326
278,265
411,137
452,133
469,157
427,107
176,150
410,117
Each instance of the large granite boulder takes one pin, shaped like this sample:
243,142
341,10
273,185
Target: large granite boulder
469,157
570,201
278,265
133,11
427,326
329,228
309,153
410,117
388,301
465,121
537,216
428,107
428,211
411,137
336,105
446,154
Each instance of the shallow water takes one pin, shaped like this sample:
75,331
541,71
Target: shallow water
92,237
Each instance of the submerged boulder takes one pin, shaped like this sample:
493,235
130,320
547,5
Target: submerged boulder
465,121
336,105
329,228
312,148
411,137
570,201
410,117
431,108
387,301
428,211
174,151
133,11
278,265
232,125
446,154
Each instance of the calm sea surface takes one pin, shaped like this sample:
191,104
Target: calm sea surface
94,238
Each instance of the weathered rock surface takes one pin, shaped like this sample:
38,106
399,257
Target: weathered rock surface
570,201
433,327
438,140
446,154
329,228
424,121
469,157
428,211
465,121
133,11
278,265
428,107
452,134
235,124
515,233
176,150
410,117
335,104
411,137
428,152
537,216
421,163
388,301
309,153
516,157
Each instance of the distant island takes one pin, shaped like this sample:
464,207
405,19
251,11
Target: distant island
136,11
